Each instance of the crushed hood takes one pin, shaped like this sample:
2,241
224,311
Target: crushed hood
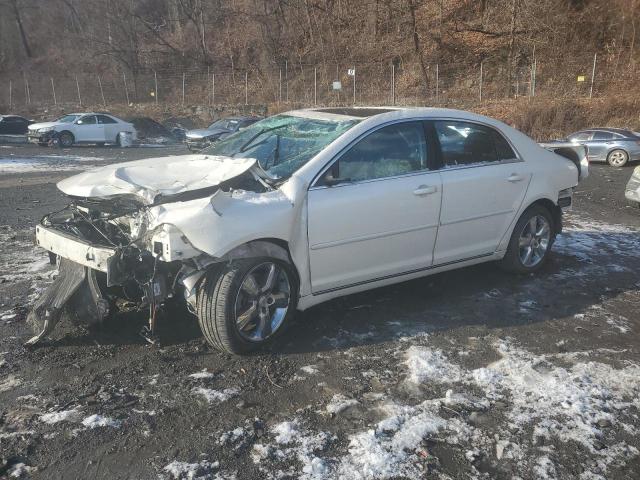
36,126
152,178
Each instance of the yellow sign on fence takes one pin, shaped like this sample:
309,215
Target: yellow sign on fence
581,78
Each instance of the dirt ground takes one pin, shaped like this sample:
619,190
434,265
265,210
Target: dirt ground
469,374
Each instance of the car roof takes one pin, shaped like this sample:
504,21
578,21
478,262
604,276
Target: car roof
621,131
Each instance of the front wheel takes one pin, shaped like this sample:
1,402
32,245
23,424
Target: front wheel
244,305
617,158
65,140
530,241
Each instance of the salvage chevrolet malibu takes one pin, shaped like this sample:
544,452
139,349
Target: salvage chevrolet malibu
300,208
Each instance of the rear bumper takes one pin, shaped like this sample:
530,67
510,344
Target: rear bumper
74,249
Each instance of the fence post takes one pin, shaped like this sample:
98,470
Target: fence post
10,86
27,96
280,89
437,80
78,88
53,88
593,74
183,80
354,85
126,90
315,85
286,80
104,103
246,88
481,62
393,84
213,89
207,83
155,79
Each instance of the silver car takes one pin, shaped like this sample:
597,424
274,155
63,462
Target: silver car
201,138
616,146
632,192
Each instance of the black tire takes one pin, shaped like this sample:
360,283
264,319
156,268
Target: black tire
617,158
100,144
512,260
66,140
118,142
43,144
216,305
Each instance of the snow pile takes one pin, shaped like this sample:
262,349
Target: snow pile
295,441
216,396
19,470
191,471
19,164
73,415
426,365
203,374
95,421
389,450
310,369
340,403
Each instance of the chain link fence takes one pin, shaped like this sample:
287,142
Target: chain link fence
328,85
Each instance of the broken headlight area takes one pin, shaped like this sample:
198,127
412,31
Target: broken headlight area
105,257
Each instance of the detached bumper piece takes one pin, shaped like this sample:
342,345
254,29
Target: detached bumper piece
76,291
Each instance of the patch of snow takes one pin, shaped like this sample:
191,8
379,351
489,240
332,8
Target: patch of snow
310,369
339,403
202,374
191,471
9,383
427,365
19,470
216,396
73,415
95,421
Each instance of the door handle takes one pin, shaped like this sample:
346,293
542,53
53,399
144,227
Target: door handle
514,177
425,190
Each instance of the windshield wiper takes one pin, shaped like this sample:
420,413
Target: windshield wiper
245,146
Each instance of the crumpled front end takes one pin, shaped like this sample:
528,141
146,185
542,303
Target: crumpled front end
147,250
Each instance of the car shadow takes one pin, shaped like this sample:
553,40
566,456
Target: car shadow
567,285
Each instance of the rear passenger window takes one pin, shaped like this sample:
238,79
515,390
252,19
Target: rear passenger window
391,151
103,119
464,143
603,136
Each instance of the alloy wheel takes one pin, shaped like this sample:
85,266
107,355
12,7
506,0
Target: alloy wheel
262,301
534,241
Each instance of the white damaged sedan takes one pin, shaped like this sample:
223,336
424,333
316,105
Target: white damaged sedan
300,208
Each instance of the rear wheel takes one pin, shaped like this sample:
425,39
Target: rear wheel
617,158
118,141
245,305
531,241
65,140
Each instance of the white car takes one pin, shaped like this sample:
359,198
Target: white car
303,207
98,128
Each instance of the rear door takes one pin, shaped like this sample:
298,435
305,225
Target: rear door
378,218
599,145
86,129
483,185
110,127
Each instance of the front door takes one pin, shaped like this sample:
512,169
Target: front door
483,184
375,213
87,129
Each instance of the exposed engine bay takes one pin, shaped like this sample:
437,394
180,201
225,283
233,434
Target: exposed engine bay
137,259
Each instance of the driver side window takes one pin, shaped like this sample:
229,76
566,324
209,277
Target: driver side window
388,152
88,120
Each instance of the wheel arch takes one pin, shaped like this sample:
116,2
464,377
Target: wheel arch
554,210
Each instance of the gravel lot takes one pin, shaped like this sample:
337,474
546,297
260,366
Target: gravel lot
468,374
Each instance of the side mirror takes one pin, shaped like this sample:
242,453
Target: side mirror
79,122
329,180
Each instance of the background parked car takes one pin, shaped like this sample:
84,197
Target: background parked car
90,127
14,125
199,139
150,131
616,146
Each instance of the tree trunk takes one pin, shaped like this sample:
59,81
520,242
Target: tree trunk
416,44
23,35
